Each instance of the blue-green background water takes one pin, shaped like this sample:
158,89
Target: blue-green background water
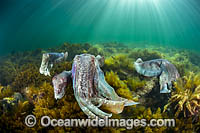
31,24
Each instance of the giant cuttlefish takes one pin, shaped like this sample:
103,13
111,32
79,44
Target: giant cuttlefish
90,87
162,68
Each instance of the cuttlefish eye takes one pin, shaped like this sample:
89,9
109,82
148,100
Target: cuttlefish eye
139,60
59,89
55,77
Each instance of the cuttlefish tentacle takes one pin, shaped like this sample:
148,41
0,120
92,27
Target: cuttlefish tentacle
166,72
163,81
163,84
91,109
89,113
105,89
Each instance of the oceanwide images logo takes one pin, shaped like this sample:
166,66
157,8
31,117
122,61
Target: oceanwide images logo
46,121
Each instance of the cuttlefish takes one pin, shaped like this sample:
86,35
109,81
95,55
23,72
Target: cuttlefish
90,87
161,68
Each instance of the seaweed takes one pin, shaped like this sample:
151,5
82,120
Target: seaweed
194,58
146,113
45,104
121,64
120,86
15,109
134,83
20,73
6,91
186,97
96,51
72,49
182,62
8,72
145,54
29,74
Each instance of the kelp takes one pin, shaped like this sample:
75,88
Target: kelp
146,113
8,72
135,83
15,109
145,54
5,91
119,63
29,74
44,103
187,95
120,86
73,49
182,62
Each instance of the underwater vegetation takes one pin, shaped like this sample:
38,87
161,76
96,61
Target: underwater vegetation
28,75
45,104
119,63
6,91
19,75
148,114
8,72
186,97
13,111
119,85
185,103
145,54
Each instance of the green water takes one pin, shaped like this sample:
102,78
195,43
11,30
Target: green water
29,24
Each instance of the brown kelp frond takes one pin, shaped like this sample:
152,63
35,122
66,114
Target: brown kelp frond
121,87
121,64
186,98
145,54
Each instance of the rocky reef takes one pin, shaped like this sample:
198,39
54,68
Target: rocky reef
24,91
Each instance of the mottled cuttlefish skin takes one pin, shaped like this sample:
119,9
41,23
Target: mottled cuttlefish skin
60,82
48,59
162,68
90,88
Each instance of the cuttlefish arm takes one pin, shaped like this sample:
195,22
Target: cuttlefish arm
110,101
168,75
49,59
163,82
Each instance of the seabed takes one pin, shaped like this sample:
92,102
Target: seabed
25,91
